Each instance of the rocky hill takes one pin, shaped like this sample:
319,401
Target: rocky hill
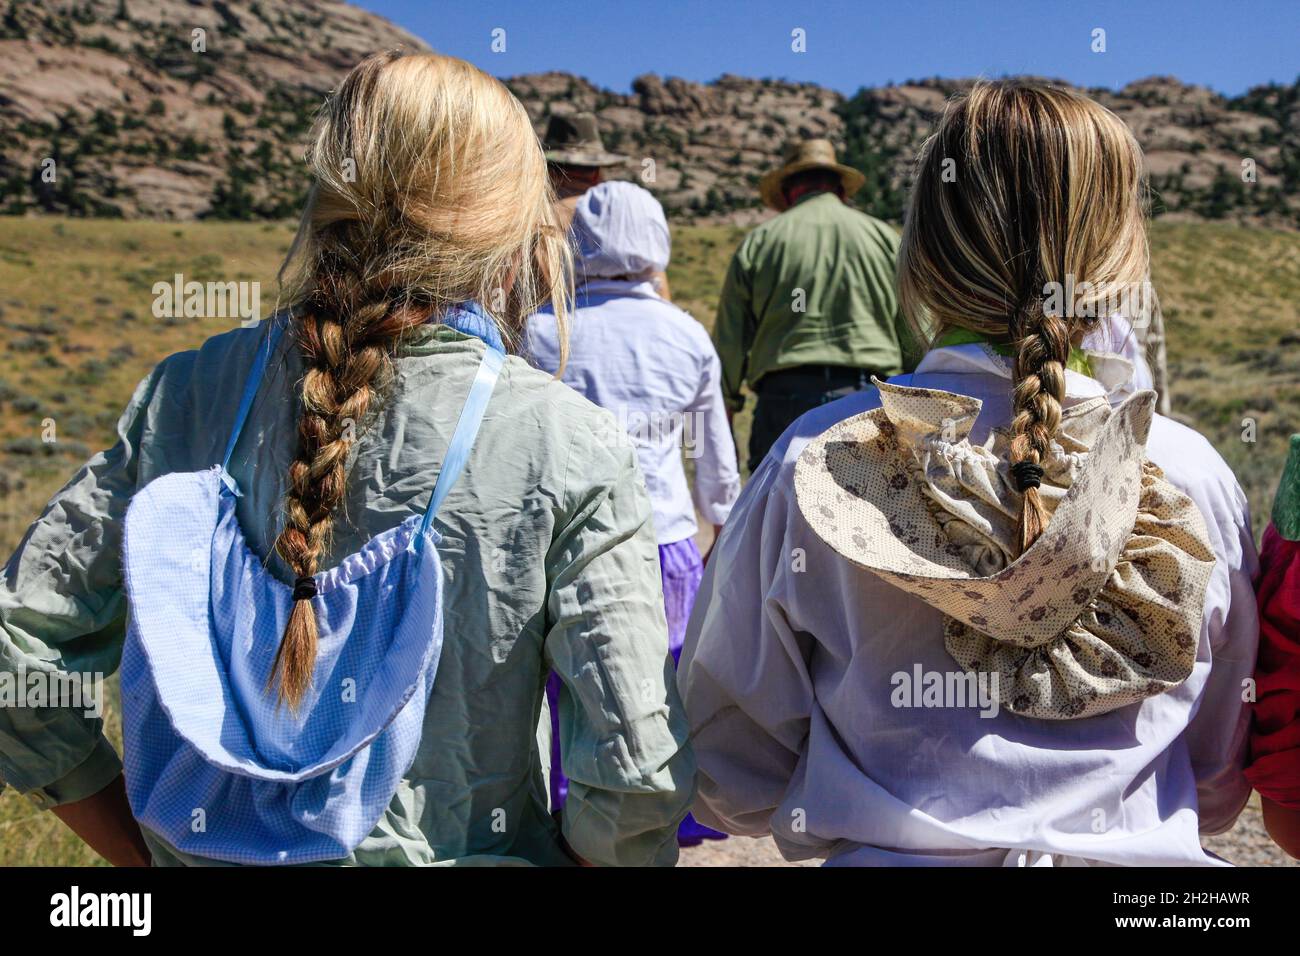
711,142
139,122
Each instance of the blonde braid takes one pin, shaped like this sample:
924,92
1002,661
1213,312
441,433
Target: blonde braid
429,190
346,344
1048,193
1043,348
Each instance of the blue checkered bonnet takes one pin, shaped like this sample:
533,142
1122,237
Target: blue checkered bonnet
212,764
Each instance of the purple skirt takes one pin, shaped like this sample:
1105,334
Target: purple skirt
682,569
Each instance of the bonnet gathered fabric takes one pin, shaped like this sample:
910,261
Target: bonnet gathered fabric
1102,611
620,233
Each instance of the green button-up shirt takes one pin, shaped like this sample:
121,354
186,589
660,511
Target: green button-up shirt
549,559
814,286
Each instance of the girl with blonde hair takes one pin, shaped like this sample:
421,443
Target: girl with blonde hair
354,540
993,612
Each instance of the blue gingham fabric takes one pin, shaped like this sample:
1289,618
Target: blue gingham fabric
212,764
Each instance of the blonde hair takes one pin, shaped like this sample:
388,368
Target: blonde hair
1044,188
429,189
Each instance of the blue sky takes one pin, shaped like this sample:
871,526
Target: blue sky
1226,45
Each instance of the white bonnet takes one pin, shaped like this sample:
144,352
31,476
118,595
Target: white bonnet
620,230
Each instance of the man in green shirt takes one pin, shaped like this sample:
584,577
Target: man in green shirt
809,312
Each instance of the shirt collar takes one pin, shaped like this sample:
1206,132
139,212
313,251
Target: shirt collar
1113,372
816,193
469,318
642,288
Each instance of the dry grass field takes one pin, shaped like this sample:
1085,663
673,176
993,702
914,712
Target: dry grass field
79,333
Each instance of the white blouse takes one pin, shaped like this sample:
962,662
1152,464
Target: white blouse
654,367
790,676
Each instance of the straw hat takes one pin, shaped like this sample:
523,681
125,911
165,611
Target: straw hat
574,139
1103,610
802,154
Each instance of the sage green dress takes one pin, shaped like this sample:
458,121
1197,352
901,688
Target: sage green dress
550,562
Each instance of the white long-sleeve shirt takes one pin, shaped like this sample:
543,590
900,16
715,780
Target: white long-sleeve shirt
655,368
1115,334
791,659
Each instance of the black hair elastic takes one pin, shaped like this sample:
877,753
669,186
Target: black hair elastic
1027,475
304,589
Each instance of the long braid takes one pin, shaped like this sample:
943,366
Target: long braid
346,341
1042,350
1048,194
429,189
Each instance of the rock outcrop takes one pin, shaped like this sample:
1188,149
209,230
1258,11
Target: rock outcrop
134,119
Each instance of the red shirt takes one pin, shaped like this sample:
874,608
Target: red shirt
1275,739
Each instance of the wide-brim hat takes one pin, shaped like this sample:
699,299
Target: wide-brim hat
574,140
800,155
1102,610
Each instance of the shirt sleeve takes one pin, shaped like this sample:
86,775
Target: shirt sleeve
62,610
911,346
623,734
733,332
744,670
717,475
1219,734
